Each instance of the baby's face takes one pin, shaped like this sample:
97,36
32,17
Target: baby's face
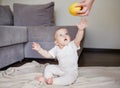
62,37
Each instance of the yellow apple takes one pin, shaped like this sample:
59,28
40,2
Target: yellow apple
73,9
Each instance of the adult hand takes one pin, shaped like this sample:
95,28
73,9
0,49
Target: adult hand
86,7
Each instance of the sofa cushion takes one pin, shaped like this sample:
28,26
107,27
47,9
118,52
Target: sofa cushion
33,15
46,33
6,17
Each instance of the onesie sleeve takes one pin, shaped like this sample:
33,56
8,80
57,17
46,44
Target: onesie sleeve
53,52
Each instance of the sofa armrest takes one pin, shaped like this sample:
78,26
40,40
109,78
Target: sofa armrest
10,35
12,39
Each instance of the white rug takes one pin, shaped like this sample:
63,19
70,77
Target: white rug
89,77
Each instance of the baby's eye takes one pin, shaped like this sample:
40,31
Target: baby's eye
67,33
60,35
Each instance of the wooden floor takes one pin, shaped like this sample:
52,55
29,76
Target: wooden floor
89,57
97,57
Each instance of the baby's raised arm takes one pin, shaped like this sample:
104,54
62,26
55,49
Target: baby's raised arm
40,50
80,32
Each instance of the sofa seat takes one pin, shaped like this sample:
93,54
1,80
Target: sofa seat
44,35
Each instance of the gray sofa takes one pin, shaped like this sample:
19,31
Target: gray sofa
15,42
16,35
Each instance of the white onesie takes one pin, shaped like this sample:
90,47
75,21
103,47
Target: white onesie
67,70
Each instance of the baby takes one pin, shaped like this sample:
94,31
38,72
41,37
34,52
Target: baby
65,50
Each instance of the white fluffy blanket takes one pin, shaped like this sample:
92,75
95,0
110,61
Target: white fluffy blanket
89,77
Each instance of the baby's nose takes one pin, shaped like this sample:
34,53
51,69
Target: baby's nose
65,35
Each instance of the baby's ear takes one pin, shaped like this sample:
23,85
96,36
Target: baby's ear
56,43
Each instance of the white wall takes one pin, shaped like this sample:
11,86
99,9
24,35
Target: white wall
0,1
103,29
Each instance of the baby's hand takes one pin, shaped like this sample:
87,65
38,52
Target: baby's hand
36,46
82,25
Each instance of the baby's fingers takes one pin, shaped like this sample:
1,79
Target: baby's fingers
84,20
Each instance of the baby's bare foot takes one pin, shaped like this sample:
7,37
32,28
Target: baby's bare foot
49,81
40,78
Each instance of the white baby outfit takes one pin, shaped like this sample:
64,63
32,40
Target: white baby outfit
67,70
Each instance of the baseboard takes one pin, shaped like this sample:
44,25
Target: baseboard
100,57
101,50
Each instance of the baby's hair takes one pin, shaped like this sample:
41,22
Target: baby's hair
59,28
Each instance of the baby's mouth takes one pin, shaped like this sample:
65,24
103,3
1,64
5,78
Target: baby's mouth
65,39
